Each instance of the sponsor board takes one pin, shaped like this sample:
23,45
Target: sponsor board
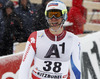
9,66
90,56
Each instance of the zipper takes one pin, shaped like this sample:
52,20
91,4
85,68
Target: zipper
55,38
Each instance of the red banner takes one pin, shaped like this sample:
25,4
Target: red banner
9,66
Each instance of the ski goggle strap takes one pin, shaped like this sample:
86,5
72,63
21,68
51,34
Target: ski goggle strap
56,13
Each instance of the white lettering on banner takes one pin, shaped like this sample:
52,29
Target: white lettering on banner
9,74
14,76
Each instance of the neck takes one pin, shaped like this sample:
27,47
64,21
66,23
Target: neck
59,31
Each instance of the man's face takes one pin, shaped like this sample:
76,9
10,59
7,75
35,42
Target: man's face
54,17
24,2
8,11
54,22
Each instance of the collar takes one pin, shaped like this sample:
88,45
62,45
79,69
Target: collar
55,37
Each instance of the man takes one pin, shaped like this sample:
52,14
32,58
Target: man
13,29
53,49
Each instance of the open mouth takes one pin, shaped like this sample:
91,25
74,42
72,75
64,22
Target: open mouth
54,24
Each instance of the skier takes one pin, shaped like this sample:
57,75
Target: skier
53,49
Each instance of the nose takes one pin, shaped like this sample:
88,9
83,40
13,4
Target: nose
53,18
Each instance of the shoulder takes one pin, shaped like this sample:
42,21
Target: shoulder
73,36
32,7
75,39
35,33
17,7
74,8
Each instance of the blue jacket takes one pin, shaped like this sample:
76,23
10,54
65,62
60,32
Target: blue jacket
27,15
2,26
2,29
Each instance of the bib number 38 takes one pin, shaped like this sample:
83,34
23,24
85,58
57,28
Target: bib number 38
56,66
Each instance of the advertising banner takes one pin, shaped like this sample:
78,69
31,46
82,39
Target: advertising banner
90,56
9,66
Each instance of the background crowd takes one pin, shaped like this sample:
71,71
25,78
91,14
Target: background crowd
17,23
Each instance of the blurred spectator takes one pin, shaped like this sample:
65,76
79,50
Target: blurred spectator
41,22
2,25
27,13
77,16
2,28
13,29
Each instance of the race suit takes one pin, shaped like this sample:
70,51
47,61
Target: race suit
53,55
